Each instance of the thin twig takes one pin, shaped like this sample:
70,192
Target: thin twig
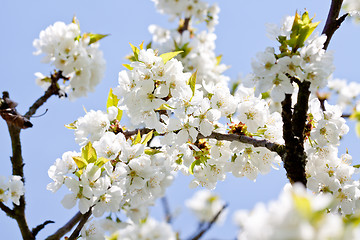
9,212
165,204
66,228
52,90
333,21
82,222
40,227
209,225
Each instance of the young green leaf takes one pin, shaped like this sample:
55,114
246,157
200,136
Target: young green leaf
148,137
168,56
89,153
192,82
94,37
71,125
151,151
193,164
128,66
112,100
137,139
80,162
135,51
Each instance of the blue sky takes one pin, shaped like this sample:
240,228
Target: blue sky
240,35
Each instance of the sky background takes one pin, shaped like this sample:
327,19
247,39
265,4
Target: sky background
240,35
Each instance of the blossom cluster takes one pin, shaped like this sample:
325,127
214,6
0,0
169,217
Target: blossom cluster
326,172
297,61
76,56
12,188
347,92
297,214
113,171
199,10
179,109
148,229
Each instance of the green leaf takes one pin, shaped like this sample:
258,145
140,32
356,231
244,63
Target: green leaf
128,66
135,51
89,153
165,106
152,151
303,206
193,164
192,82
141,46
80,162
218,59
71,125
94,37
148,137
148,45
137,139
101,161
357,129
112,100
119,115
356,166
168,56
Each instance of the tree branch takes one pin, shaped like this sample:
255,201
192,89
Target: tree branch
209,225
66,228
82,222
274,147
40,227
52,90
18,169
9,212
165,204
333,22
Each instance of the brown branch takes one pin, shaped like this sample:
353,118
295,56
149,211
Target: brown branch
184,25
82,222
66,228
9,212
130,133
40,227
274,147
209,225
18,169
52,90
165,204
333,21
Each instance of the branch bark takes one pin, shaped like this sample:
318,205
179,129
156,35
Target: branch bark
66,228
18,169
274,147
209,225
52,90
82,222
333,21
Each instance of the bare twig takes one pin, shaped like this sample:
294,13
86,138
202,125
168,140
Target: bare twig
207,227
52,90
9,212
66,228
165,204
82,222
333,21
38,228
